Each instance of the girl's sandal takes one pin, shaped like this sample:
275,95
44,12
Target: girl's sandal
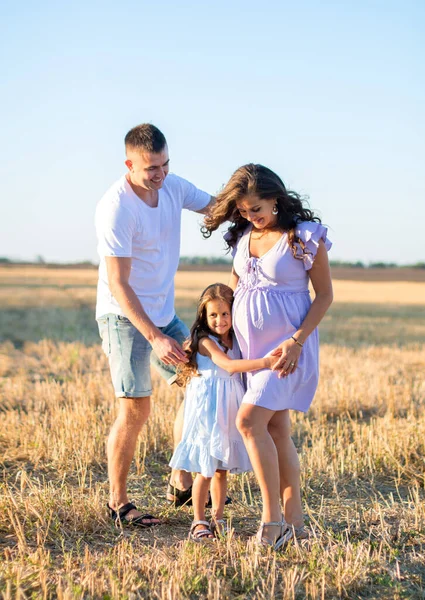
219,528
198,535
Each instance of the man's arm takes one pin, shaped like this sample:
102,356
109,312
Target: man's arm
206,208
165,347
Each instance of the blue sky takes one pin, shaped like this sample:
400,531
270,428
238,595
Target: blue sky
331,95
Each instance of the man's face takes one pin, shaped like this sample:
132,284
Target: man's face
148,170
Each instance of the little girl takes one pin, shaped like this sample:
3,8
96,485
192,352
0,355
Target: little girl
211,445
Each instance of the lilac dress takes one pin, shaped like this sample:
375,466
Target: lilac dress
271,302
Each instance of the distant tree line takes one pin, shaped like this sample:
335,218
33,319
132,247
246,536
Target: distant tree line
205,260
375,265
209,260
213,260
40,262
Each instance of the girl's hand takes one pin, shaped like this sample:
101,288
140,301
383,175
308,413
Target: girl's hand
289,353
270,360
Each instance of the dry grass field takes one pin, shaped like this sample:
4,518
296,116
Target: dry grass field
362,448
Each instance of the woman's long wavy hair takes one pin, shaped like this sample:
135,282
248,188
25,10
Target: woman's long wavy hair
260,181
200,329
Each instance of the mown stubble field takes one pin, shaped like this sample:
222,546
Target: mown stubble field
361,447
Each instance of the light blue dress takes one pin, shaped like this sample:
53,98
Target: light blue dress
210,440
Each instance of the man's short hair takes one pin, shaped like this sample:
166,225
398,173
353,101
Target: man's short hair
147,138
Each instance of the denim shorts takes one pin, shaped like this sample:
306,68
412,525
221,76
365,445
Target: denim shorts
130,355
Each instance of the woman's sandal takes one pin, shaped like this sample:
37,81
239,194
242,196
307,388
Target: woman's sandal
287,533
219,528
298,534
119,517
282,540
201,534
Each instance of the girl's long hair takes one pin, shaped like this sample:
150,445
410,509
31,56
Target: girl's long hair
200,329
260,181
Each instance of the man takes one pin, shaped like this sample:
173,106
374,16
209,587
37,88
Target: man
138,225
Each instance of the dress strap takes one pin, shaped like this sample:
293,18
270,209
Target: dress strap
214,339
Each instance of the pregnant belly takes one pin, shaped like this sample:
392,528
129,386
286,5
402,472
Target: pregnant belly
262,320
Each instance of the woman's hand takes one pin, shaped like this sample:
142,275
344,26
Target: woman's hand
289,353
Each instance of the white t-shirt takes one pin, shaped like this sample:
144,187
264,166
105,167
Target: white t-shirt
126,226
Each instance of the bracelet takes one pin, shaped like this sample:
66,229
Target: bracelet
296,341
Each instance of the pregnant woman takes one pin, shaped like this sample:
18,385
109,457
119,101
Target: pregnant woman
278,246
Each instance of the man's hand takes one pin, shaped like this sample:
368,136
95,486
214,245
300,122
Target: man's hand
168,350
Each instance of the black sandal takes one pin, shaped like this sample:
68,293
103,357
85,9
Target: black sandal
184,497
119,517
209,501
179,497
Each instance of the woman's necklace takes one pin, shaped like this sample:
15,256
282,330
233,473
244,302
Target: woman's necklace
255,236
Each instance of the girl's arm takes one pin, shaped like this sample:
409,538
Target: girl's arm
209,348
320,277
